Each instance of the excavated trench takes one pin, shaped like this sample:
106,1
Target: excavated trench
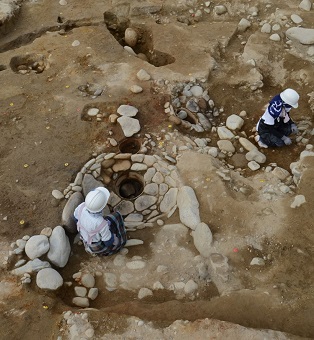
164,308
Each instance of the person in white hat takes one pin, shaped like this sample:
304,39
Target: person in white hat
100,235
275,125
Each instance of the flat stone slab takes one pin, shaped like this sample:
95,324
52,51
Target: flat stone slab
305,36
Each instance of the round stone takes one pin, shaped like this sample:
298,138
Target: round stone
93,112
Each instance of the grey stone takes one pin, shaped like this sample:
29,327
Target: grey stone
92,293
192,106
226,145
148,176
134,218
144,292
243,25
49,278
57,194
135,265
220,9
220,266
125,207
81,302
131,36
31,267
60,248
21,243
253,165
136,89
266,28
296,19
143,75
256,155
149,160
89,183
304,36
203,238
37,246
110,280
114,199
127,110
247,144
206,124
190,287
234,122
163,188
129,126
93,112
68,221
188,207
80,291
88,280
138,167
158,178
46,231
121,165
298,201
145,201
224,133
169,200
151,189
275,37
196,91
280,173
306,5
133,242
257,261
138,158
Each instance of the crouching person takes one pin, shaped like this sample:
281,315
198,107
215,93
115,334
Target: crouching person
101,235
275,125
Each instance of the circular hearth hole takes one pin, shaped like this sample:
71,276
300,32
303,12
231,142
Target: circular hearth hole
129,186
130,145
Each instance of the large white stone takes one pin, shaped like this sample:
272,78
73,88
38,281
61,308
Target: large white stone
49,278
60,248
224,133
304,36
188,207
306,5
196,90
203,238
129,126
169,200
234,122
37,246
127,110
68,220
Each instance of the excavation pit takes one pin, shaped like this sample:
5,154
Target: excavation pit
130,145
29,63
129,185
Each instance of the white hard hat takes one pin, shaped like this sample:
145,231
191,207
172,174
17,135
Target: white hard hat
290,97
97,199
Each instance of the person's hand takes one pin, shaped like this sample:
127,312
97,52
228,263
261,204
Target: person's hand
294,128
286,140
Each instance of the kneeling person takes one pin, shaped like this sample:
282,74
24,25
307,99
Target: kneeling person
100,235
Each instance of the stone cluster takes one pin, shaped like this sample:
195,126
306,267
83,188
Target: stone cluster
37,253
